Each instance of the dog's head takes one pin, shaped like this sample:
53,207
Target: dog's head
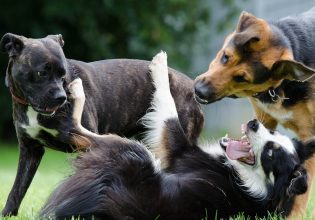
269,160
36,70
253,59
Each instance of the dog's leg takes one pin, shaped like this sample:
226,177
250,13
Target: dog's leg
163,115
29,161
78,96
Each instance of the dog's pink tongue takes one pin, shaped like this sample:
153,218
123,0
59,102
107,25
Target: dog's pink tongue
238,149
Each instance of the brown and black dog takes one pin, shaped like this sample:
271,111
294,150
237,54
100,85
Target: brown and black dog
271,63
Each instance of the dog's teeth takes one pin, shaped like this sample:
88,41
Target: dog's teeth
226,136
244,137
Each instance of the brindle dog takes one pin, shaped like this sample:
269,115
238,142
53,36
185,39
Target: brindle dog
118,95
259,60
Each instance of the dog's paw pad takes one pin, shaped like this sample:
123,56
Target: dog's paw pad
76,89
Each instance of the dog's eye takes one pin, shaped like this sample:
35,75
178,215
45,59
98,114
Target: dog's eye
42,74
225,58
240,78
272,132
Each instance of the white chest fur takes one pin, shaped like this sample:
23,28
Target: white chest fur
276,111
33,127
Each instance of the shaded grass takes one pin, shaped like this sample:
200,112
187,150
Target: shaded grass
53,168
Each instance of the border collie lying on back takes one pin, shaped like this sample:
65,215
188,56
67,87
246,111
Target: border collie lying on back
120,179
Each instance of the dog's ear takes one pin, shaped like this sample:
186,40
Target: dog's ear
292,70
298,181
12,44
245,21
246,40
58,38
250,32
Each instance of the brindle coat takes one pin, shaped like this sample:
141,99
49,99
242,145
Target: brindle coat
118,95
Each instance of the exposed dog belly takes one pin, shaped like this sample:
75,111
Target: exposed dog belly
276,111
32,128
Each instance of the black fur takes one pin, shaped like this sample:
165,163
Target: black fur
296,33
117,180
119,94
293,91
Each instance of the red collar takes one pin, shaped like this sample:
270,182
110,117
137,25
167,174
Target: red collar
18,99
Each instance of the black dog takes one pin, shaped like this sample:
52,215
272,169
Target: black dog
120,179
119,93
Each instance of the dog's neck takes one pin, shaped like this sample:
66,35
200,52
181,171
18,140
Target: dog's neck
294,35
288,92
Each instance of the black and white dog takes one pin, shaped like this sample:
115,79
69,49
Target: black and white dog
120,179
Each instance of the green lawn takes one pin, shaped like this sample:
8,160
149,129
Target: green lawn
54,168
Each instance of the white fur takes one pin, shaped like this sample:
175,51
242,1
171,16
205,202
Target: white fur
163,106
214,149
262,136
77,94
33,128
254,177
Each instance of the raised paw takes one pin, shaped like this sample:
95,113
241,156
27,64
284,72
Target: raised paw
159,70
76,89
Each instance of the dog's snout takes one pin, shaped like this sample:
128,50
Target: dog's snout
253,125
60,97
204,91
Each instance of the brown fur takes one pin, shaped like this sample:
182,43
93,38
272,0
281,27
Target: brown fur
255,35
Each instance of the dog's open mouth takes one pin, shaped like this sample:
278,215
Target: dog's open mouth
240,150
200,100
47,111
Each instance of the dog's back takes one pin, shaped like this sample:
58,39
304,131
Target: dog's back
300,32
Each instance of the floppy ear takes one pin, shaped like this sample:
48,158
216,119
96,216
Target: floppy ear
12,44
248,32
246,39
298,181
292,70
58,38
246,20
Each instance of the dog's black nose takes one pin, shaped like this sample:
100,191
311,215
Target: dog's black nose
60,97
204,92
253,125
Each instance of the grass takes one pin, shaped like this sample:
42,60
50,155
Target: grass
53,168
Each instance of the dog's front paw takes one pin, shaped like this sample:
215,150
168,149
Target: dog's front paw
159,70
76,89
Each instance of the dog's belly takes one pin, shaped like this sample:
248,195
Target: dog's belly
276,111
33,128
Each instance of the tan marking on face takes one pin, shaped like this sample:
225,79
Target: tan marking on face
221,76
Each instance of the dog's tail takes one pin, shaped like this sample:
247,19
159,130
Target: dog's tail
165,135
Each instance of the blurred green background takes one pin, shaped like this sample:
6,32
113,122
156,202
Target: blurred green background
190,32
104,29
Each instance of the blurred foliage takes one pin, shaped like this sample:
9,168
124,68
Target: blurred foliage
102,29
